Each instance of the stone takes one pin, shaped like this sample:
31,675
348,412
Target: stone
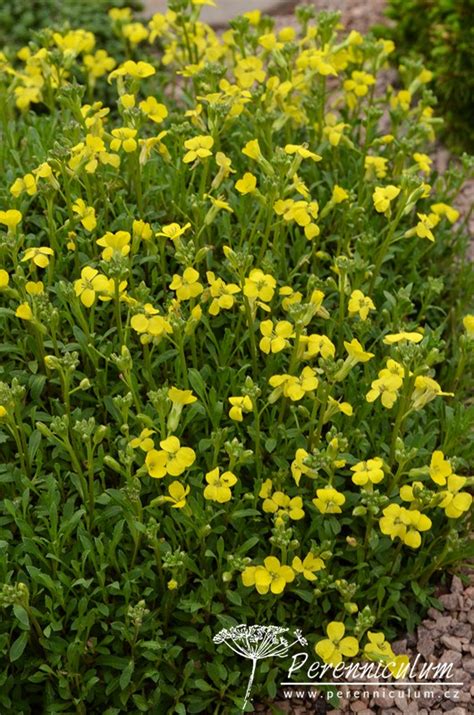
451,656
463,630
450,601
357,706
458,711
468,665
425,644
451,642
457,585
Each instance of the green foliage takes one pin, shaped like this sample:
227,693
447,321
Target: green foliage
157,221
442,33
20,18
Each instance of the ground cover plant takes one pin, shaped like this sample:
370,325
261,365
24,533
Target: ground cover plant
236,359
442,34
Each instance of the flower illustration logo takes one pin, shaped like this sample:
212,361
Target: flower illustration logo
258,642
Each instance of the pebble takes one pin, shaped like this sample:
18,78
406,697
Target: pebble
451,642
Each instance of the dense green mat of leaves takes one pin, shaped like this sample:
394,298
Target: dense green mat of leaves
236,360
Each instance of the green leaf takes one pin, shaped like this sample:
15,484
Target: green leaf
18,646
21,615
126,676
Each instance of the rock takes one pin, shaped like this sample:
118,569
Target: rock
458,711
451,656
400,647
470,617
381,699
463,630
451,642
357,706
450,601
425,644
468,665
434,613
444,623
457,585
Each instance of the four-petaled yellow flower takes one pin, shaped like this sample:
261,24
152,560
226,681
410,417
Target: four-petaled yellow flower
275,337
368,471
404,524
272,576
89,285
360,304
240,404
332,649
282,505
144,440
114,244
173,231
329,500
124,138
177,495
219,486
455,502
259,285
187,286
308,567
198,148
172,459
222,294
247,184
382,197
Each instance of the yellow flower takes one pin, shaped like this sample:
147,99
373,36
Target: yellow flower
295,387
25,184
385,387
332,649
424,162
240,404
177,495
369,471
315,345
154,110
124,138
141,230
198,148
398,337
468,323
249,70
187,286
426,389
136,70
252,150
302,151
173,230
329,500
4,278
135,32
24,312
114,244
333,129
383,195
218,486
222,294
10,218
143,441
339,194
86,214
281,504
442,209
308,567
39,256
172,459
181,397
359,83
34,287
356,352
272,576
247,184
298,466
259,285
89,285
424,226
360,304
405,524
275,337
375,166
455,502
